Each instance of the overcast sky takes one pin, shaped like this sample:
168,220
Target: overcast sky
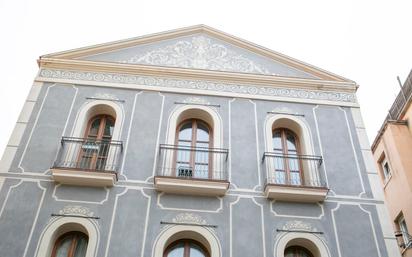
369,42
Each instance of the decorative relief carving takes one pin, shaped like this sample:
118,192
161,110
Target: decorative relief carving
189,218
105,96
197,84
299,225
195,100
199,53
76,210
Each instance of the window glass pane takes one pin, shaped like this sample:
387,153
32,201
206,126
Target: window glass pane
94,128
202,145
185,132
280,177
64,247
277,140
294,178
202,132
108,130
81,247
291,142
297,252
176,251
196,251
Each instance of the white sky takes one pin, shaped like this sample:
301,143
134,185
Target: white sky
367,41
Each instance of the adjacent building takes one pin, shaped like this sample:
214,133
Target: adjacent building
392,150
190,143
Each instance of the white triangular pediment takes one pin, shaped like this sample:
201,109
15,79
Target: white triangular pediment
199,51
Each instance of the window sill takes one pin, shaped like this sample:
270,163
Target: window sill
296,193
83,178
186,186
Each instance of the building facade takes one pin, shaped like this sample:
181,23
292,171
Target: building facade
392,149
190,143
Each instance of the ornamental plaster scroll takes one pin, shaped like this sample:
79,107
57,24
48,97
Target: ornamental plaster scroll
196,100
189,218
297,225
76,210
105,96
199,53
196,84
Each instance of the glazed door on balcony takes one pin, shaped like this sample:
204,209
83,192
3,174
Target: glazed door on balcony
287,165
95,149
192,155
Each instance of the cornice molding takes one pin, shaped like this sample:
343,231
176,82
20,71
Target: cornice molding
246,90
186,73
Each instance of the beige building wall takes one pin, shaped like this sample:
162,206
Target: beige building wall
394,146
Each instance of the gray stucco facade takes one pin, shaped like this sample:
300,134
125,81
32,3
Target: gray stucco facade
131,216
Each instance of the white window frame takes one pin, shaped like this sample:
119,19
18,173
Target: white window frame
400,221
386,170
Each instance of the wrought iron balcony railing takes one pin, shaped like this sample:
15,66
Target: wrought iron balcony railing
192,162
404,239
293,170
89,154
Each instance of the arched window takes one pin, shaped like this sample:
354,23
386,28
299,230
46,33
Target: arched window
98,136
71,244
186,248
297,251
287,164
193,140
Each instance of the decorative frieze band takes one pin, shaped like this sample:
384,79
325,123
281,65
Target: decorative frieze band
197,84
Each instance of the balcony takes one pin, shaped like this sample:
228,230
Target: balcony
294,178
87,162
192,170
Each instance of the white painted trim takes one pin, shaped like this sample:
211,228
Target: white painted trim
158,136
370,220
87,111
262,223
189,111
317,246
298,216
231,226
146,224
354,153
55,228
230,143
172,233
181,113
34,126
121,173
373,230
321,149
300,127
2,179
191,210
17,134
7,159
54,196
109,237
259,173
36,217
34,92
67,121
